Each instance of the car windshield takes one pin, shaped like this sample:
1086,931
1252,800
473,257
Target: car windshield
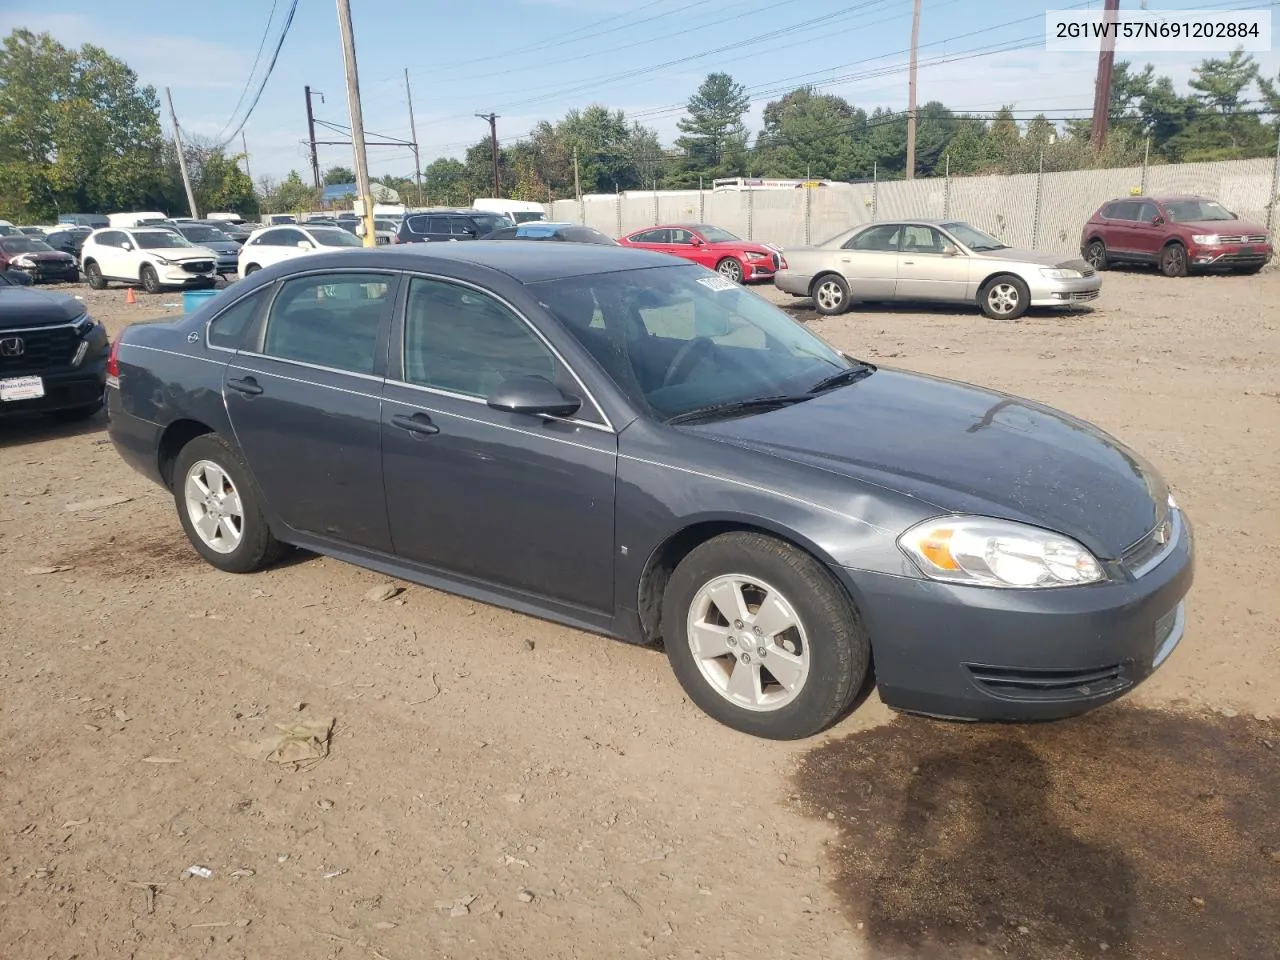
973,238
716,235
680,339
160,239
335,237
23,245
204,234
1190,211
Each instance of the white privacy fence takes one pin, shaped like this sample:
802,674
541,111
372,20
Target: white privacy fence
1041,211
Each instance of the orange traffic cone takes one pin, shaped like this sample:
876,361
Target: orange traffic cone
130,296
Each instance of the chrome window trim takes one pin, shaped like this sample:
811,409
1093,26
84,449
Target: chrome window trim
479,401
411,274
310,366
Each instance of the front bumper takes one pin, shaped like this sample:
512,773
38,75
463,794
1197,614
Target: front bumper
51,271
1064,293
64,389
175,275
796,284
228,263
978,653
1231,255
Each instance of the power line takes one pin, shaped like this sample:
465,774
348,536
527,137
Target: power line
275,55
252,70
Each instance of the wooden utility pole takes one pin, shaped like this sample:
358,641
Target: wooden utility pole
493,139
244,142
1106,68
911,93
413,132
311,138
577,179
357,119
182,156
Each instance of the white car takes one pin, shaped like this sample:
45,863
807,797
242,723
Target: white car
271,245
154,257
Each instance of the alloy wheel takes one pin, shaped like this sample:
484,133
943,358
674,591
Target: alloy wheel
214,506
1003,299
731,270
748,642
829,295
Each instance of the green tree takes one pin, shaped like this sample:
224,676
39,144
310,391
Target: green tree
336,175
810,134
444,181
887,142
966,151
291,195
935,126
77,132
714,138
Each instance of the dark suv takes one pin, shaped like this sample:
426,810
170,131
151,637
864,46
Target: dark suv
53,355
433,226
1177,234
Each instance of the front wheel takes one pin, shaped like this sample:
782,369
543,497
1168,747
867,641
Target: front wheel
1173,260
150,279
94,273
251,269
219,507
762,638
730,269
1005,298
831,295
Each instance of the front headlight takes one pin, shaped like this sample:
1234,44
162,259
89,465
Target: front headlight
982,551
753,255
160,260
22,261
83,325
1206,239
1060,273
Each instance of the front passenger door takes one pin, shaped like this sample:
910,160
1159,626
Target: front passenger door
925,271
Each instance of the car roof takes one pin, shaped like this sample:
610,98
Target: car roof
523,262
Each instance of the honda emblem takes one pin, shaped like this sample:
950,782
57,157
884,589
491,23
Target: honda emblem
12,347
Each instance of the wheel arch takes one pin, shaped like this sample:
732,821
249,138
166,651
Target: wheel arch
666,556
823,274
995,275
176,436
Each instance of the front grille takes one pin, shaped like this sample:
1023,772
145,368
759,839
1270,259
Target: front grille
1080,295
1088,271
1148,553
41,350
1025,683
197,266
1242,239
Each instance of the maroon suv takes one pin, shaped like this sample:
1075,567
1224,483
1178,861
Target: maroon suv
1177,234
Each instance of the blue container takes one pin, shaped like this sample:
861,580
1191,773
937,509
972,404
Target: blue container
193,300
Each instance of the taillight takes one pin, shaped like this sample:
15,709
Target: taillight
113,359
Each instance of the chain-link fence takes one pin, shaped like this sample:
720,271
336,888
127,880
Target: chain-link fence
1041,211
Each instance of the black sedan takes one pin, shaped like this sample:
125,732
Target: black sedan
636,446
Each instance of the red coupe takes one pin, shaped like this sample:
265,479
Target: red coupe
738,260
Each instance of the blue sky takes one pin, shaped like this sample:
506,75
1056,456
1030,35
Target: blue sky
529,60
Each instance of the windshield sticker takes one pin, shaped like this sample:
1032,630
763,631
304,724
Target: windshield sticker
717,283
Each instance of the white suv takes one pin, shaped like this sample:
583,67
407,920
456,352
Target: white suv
273,244
156,258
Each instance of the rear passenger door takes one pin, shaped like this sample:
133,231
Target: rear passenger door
304,396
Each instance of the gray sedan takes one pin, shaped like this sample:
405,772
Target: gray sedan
945,261
633,445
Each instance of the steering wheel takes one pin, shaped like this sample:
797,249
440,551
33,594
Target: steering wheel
687,357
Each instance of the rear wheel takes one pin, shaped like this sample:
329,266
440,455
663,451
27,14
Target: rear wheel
1096,254
96,280
251,269
762,638
831,295
150,279
730,269
1005,298
219,507
1173,260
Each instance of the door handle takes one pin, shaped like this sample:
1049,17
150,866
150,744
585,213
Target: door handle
908,263
419,424
845,260
246,385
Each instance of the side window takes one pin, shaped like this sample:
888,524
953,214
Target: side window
267,239
331,320
438,225
681,236
462,340
228,328
289,237
920,239
1126,211
1147,211
882,239
462,227
650,236
1111,211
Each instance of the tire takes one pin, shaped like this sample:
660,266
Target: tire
251,269
826,649
1095,252
196,472
730,269
1173,260
76,414
150,280
831,296
94,273
1004,297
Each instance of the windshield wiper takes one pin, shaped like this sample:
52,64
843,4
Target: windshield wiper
848,375
712,411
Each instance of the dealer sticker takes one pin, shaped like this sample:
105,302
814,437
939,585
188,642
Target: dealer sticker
717,283
21,388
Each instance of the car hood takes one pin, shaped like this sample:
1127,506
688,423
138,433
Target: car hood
43,255
222,246
964,449
24,307
1014,255
182,253
1230,227
740,246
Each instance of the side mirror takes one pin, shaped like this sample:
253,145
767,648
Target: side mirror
533,396
304,244
950,250
126,245
1157,220
695,242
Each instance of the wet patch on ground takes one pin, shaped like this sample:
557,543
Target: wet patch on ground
1125,833
161,555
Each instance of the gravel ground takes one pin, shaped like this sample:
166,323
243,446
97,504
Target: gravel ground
498,786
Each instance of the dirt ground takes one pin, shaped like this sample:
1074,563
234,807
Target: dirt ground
502,787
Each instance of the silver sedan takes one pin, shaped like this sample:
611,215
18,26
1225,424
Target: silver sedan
945,261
